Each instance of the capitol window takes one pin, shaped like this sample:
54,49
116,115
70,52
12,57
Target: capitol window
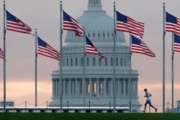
127,64
67,61
117,63
72,34
82,61
71,62
125,61
112,34
94,34
99,34
107,34
87,61
121,61
76,61
111,61
129,61
100,61
104,35
93,61
106,61
89,35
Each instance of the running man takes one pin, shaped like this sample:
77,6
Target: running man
148,100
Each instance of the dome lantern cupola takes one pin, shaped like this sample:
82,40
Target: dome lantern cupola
94,5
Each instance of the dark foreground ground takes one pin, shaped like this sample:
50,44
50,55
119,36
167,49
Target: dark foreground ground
88,116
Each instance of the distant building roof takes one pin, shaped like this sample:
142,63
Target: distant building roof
8,104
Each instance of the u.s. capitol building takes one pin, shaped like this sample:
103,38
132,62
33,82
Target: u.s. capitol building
95,85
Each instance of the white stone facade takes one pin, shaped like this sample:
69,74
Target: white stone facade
94,86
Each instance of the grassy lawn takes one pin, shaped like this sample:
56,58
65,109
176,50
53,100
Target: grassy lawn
88,116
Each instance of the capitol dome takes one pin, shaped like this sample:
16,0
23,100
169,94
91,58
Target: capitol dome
98,25
88,79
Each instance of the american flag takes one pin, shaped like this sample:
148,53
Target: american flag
176,43
70,24
138,46
1,54
16,25
172,23
46,50
127,24
90,49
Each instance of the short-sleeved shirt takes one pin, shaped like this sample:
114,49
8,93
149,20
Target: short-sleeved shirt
148,96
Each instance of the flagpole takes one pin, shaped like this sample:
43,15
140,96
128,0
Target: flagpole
130,81
172,104
84,69
4,61
35,67
163,58
114,67
61,58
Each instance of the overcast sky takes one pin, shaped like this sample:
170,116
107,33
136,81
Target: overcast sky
44,15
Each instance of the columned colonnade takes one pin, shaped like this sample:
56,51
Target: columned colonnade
95,87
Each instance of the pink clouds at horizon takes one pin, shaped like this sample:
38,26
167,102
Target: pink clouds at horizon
22,91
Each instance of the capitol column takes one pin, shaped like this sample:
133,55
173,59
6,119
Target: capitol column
77,87
97,87
57,88
124,86
70,92
104,87
90,82
130,86
136,87
117,84
64,90
53,86
69,85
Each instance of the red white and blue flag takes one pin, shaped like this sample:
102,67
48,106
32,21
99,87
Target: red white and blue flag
127,24
1,54
90,49
138,46
46,50
176,47
16,25
172,23
70,24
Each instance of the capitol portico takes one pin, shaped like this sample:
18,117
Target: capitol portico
94,86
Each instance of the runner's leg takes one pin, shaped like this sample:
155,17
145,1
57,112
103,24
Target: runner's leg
145,105
152,106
